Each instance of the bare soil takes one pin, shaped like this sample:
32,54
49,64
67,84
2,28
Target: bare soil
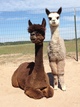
15,97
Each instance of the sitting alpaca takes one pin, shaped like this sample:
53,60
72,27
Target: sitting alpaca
56,49
30,76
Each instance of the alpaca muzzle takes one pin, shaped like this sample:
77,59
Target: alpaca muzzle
33,37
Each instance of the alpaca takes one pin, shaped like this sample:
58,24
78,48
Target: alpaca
56,50
30,76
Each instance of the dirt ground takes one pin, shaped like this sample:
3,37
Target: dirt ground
15,97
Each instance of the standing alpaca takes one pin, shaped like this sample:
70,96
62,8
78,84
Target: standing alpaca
31,76
56,49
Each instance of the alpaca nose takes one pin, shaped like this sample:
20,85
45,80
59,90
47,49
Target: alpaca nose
33,34
33,37
53,20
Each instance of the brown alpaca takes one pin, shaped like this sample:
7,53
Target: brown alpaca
30,76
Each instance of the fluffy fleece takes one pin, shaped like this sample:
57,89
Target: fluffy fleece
56,49
31,76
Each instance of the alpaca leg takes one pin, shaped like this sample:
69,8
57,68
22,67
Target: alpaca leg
53,66
55,82
34,93
48,92
61,81
61,65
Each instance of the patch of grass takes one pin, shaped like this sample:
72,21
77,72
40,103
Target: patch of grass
29,48
14,49
70,46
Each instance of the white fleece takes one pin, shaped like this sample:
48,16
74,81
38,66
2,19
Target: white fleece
56,47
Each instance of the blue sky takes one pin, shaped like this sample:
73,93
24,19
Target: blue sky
13,5
14,16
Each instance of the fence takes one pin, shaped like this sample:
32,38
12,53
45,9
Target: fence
13,26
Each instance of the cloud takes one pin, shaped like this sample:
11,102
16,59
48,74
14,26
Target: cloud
16,5
12,19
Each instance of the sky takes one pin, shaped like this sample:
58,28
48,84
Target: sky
16,5
14,16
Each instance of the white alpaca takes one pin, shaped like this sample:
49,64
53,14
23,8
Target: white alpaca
56,49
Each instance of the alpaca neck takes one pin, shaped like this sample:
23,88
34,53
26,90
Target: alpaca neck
39,57
54,32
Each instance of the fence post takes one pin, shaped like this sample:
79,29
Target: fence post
75,34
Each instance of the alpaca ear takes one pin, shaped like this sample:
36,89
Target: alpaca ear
47,11
59,11
29,23
44,22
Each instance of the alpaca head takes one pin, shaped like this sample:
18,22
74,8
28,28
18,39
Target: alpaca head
37,32
53,17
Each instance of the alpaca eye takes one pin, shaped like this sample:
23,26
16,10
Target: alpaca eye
58,17
50,18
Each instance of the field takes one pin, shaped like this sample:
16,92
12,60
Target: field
28,48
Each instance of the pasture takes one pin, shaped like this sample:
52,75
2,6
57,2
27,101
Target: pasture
27,48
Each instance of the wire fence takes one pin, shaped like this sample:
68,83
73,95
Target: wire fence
14,25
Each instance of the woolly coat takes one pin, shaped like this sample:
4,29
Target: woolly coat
56,47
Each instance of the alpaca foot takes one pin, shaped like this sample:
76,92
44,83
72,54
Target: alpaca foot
62,83
34,93
55,82
48,92
55,87
63,87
